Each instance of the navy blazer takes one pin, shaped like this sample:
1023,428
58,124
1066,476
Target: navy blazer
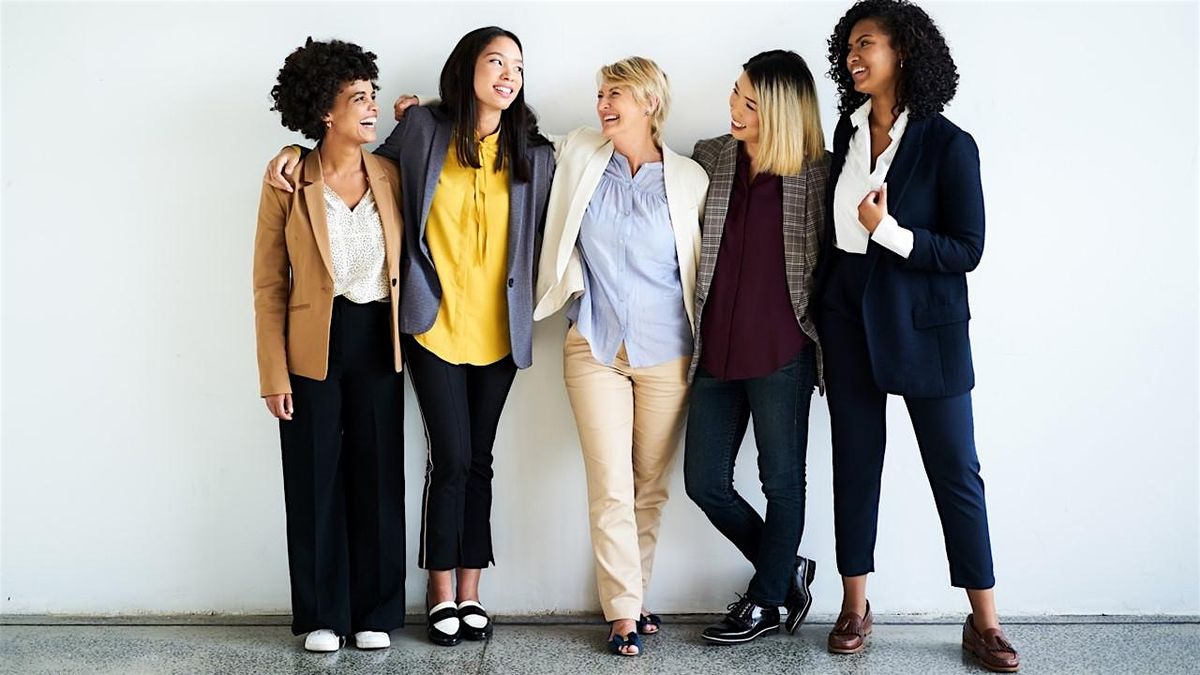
419,144
915,310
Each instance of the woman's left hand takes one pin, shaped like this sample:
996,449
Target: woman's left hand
873,208
403,103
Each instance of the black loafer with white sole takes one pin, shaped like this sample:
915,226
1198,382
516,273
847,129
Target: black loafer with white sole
744,622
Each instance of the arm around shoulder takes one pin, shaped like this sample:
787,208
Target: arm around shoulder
413,116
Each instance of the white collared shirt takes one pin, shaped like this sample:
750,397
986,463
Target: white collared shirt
857,179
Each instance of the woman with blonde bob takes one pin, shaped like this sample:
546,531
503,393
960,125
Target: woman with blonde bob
757,354
620,253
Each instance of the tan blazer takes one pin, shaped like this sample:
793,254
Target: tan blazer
293,272
582,157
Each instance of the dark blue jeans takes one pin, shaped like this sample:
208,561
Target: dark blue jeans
717,417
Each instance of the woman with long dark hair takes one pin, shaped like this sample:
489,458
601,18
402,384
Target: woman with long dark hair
475,176
906,226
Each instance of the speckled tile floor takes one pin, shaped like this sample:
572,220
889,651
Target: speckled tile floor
570,649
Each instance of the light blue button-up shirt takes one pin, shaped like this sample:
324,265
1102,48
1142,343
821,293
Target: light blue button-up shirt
631,287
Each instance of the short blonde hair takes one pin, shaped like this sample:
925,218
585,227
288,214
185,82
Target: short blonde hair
789,119
648,84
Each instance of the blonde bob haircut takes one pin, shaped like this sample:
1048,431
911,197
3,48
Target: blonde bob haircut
648,84
789,120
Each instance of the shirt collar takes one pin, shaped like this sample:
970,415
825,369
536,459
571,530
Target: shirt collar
899,125
860,118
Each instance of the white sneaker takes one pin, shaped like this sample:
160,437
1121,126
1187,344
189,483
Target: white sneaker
323,640
372,639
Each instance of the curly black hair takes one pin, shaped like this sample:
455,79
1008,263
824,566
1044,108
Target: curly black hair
311,78
928,78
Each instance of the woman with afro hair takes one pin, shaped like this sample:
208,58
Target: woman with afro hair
326,264
906,225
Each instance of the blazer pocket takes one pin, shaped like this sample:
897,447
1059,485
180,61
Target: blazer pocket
296,308
931,316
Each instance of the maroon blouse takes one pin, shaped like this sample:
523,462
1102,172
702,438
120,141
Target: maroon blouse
749,328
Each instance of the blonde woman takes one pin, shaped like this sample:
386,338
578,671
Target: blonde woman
757,354
620,252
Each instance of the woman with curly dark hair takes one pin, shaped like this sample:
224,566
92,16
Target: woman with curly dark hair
906,224
326,264
476,175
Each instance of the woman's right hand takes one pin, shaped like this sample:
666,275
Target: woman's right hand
403,103
282,165
280,405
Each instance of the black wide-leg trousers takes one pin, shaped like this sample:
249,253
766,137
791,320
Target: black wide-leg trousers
343,475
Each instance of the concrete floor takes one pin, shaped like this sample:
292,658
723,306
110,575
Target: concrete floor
1060,646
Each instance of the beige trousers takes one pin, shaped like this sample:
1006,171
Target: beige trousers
630,421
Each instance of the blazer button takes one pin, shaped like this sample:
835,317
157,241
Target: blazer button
393,283
510,283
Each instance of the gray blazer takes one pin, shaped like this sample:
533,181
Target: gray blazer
419,144
803,227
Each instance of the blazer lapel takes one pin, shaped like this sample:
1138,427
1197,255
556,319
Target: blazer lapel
686,235
437,159
517,194
793,232
384,198
314,201
589,180
908,155
716,207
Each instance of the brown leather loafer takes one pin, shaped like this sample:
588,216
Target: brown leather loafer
849,634
990,647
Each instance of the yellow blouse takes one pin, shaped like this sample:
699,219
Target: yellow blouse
468,240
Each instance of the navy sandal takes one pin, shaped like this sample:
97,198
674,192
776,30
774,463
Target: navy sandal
631,640
647,620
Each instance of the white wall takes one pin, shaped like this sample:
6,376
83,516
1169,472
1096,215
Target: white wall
141,473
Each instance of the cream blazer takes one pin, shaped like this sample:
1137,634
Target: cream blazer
582,156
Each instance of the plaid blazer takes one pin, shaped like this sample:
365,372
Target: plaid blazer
803,229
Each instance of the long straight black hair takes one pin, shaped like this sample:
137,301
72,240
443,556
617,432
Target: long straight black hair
518,123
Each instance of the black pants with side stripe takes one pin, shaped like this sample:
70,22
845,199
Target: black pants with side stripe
460,406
